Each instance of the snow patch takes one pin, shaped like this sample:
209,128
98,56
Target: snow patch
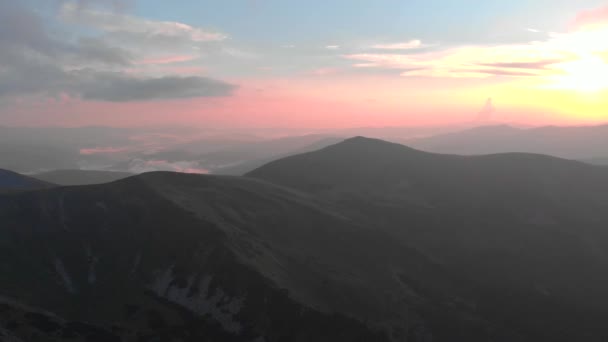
219,306
65,277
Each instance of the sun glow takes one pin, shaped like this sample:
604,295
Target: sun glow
588,74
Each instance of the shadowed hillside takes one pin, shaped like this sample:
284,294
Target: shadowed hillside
183,257
530,229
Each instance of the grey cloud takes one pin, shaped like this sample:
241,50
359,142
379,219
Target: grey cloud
25,33
118,88
119,24
23,77
97,49
31,79
21,28
115,5
33,62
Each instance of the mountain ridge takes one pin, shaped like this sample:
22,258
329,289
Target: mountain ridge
258,259
508,220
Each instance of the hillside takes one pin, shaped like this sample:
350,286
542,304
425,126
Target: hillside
530,229
363,240
190,257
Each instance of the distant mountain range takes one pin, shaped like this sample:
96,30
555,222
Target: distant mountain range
40,149
363,240
581,143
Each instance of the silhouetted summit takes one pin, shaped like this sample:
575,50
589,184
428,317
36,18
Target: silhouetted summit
529,230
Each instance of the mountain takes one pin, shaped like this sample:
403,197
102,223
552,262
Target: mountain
596,161
400,133
12,181
22,323
363,240
178,257
260,151
529,230
584,142
81,177
250,165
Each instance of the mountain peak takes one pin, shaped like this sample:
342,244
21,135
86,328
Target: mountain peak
372,145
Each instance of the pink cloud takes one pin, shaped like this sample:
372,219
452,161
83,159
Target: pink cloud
186,70
533,59
101,150
591,18
166,60
324,71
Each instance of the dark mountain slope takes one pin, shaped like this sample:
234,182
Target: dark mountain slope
12,181
530,229
188,257
81,177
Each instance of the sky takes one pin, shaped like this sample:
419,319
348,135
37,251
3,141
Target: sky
315,63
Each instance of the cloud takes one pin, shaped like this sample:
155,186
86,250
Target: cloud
102,150
541,64
324,71
46,80
24,32
35,62
539,58
412,44
97,49
115,5
591,18
167,59
486,113
569,58
118,88
118,23
332,47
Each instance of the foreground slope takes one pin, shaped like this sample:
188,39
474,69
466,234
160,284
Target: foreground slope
181,257
530,230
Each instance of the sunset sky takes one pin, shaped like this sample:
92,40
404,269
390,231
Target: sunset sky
283,63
